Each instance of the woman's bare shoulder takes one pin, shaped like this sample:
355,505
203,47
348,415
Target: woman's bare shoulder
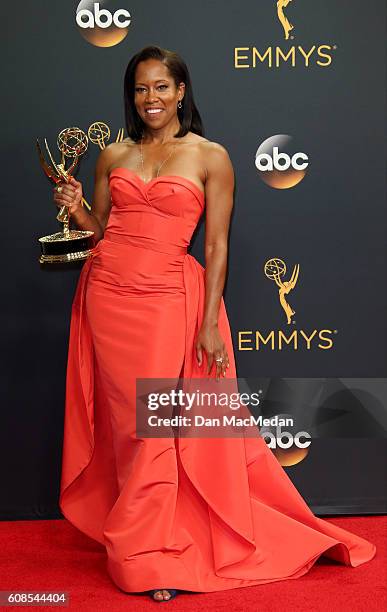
214,152
208,148
117,148
115,151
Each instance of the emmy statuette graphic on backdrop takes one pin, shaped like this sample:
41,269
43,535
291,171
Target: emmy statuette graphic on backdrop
274,269
69,244
287,26
99,134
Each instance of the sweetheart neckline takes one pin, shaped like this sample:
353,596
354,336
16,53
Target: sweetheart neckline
156,178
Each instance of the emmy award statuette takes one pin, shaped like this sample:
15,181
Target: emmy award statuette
68,245
274,269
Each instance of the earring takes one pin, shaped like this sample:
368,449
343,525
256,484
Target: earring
179,104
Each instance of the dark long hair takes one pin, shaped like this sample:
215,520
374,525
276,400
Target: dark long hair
188,116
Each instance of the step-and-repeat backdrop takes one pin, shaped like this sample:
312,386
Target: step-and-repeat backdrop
295,91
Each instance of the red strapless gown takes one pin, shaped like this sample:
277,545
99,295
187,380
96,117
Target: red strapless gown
195,514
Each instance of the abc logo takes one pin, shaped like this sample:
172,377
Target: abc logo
279,163
103,24
288,448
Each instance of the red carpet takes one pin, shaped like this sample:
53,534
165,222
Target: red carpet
54,556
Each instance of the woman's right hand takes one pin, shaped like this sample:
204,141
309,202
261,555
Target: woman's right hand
70,195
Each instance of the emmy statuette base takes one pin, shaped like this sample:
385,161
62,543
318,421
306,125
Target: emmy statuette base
65,247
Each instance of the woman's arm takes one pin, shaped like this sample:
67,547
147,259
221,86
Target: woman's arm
71,196
219,204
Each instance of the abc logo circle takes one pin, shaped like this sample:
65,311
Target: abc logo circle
104,23
288,448
280,163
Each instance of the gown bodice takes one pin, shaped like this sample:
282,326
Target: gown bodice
165,210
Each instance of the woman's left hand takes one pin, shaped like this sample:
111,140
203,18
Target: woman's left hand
211,341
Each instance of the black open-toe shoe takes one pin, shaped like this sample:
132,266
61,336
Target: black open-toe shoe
172,592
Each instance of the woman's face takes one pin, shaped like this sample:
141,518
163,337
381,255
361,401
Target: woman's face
155,93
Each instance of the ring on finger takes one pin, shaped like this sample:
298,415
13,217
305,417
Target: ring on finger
59,188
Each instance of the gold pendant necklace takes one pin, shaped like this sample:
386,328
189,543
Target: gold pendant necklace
158,170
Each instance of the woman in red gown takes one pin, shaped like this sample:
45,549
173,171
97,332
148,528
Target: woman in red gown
195,514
